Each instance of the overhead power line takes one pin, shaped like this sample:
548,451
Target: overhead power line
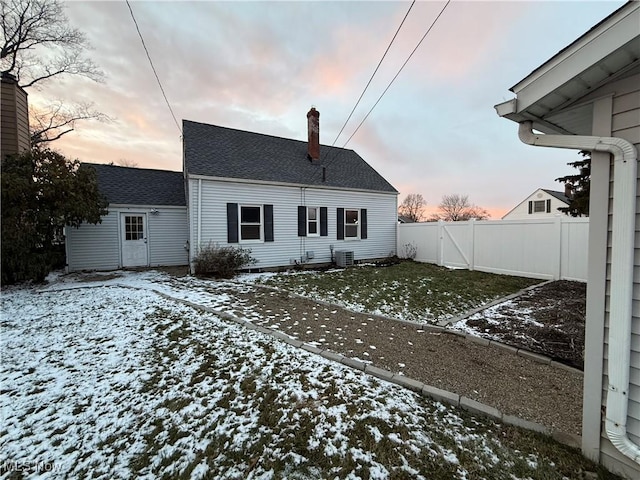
153,68
374,73
401,68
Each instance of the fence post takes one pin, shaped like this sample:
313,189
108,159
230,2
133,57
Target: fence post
440,242
557,275
472,236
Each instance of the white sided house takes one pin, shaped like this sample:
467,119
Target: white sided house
146,225
290,202
542,203
587,97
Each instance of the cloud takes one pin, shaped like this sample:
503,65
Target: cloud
259,66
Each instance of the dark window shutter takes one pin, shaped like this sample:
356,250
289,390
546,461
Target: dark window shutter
530,207
549,206
268,223
302,221
323,222
340,213
363,223
232,222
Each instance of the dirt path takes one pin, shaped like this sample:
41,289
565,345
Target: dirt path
517,386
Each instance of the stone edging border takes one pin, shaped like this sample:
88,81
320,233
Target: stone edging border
429,391
423,389
442,326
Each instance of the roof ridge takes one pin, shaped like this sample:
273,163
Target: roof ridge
264,134
131,168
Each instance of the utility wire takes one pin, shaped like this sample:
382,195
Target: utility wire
374,73
153,68
396,76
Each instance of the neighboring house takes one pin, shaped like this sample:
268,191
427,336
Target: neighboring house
288,201
540,204
405,219
14,117
146,224
587,97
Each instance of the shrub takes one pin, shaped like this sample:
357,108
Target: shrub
410,250
222,261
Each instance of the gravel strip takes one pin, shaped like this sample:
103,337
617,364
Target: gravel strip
491,375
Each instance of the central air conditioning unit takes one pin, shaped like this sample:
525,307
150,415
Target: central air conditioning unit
344,258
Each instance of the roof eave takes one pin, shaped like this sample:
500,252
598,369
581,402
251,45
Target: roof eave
192,176
597,43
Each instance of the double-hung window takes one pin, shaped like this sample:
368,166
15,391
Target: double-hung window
313,219
351,223
539,206
250,222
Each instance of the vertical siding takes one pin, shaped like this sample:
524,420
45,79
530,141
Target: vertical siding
97,247
14,119
287,246
625,123
554,248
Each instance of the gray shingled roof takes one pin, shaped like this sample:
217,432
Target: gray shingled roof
215,151
139,186
559,195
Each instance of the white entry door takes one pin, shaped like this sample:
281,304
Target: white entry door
134,239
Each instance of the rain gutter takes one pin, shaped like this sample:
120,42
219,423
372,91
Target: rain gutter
625,159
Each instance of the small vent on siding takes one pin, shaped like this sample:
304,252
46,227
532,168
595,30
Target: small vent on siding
344,258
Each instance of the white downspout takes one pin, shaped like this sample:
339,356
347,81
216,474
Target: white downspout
199,216
625,158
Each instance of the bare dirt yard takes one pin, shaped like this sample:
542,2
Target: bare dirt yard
548,319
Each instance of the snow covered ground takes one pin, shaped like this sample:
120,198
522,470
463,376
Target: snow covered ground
108,379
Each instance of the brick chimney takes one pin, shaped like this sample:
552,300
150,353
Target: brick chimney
313,122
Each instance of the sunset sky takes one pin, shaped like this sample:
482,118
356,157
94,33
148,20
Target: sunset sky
260,66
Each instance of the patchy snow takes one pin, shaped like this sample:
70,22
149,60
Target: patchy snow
104,376
493,316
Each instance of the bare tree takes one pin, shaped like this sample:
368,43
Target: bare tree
57,119
412,207
456,207
38,45
125,162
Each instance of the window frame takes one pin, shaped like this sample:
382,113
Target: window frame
316,221
129,229
537,203
347,225
259,224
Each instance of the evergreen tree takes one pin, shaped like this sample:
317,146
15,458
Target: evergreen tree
42,192
578,186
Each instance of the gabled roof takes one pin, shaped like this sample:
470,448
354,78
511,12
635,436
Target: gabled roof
554,193
221,152
553,95
559,195
139,186
405,219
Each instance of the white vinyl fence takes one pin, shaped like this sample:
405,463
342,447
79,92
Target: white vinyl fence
553,249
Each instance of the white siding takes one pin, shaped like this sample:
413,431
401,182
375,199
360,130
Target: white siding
626,124
97,247
521,211
168,234
287,245
94,247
